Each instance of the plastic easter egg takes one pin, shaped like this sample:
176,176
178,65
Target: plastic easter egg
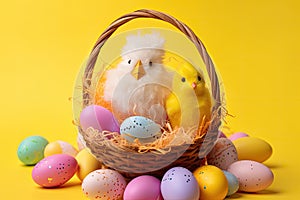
143,188
223,154
31,150
253,176
98,118
233,183
237,135
104,184
140,127
212,182
54,170
87,163
60,147
179,183
251,148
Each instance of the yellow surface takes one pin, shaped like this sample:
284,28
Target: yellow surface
255,45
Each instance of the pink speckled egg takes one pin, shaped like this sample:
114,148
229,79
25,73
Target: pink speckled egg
223,154
253,176
237,135
98,118
143,188
54,170
104,184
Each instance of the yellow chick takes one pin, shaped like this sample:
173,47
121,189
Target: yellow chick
190,101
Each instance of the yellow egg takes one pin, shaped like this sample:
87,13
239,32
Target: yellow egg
212,182
60,147
87,163
251,148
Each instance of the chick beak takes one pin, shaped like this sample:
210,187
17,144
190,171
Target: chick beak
194,85
138,70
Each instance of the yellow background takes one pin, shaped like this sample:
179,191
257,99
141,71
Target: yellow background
254,43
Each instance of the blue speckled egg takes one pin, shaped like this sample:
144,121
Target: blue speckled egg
140,127
233,183
31,150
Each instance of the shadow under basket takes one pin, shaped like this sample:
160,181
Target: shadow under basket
132,160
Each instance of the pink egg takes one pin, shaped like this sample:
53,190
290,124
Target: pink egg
237,135
54,170
143,188
253,176
98,118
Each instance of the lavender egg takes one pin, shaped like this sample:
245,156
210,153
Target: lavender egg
179,183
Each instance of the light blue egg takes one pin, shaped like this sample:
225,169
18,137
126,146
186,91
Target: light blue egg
140,127
31,150
233,183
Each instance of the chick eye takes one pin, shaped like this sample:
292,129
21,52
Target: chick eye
129,61
182,79
199,78
150,63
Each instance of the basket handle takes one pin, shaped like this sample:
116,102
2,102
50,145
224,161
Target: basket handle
144,13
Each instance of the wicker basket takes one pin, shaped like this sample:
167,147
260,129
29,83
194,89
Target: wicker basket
129,162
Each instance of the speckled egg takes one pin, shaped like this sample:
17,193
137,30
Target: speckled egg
212,182
253,176
60,147
31,150
54,170
251,148
179,183
87,163
223,154
104,184
233,183
140,127
143,188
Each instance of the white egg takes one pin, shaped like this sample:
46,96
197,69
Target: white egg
104,184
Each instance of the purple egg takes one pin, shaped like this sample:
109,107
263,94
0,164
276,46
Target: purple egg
179,183
222,135
98,118
143,188
237,135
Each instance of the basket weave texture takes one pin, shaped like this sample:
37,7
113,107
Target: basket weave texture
128,161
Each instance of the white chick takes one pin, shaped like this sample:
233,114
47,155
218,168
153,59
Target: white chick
139,84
